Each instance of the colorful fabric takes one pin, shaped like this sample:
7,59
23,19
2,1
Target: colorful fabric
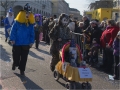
71,73
66,47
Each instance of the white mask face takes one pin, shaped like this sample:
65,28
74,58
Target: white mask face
27,15
65,21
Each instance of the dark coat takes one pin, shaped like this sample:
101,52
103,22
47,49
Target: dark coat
94,49
96,32
78,30
86,24
56,33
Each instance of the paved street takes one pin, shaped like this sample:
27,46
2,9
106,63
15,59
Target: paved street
38,74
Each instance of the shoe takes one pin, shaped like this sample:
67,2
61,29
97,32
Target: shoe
22,73
36,48
13,67
6,40
52,68
116,78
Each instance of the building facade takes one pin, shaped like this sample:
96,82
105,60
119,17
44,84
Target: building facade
102,13
59,6
101,4
44,7
75,14
116,15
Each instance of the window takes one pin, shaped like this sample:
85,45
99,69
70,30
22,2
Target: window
115,3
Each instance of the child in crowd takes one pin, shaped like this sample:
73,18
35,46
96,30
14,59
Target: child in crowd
116,54
93,54
86,44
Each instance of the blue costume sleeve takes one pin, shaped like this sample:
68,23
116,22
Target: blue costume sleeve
32,35
13,32
6,23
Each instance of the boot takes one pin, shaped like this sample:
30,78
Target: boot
6,40
13,67
22,73
52,68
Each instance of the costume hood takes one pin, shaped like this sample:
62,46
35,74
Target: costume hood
40,21
21,18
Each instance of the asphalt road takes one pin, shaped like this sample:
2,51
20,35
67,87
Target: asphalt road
38,74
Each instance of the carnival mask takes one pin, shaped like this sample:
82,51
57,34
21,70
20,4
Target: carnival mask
27,14
37,18
65,21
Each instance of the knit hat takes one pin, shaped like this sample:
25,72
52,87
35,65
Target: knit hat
10,10
93,22
27,8
118,33
72,43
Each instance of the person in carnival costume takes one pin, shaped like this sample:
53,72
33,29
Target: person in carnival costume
60,34
37,28
22,38
8,22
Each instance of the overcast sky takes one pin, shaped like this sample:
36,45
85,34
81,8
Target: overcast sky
81,5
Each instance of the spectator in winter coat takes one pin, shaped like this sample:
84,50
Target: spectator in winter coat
86,22
95,31
106,40
102,26
116,53
94,52
80,26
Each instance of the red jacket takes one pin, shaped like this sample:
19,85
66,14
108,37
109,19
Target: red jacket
108,36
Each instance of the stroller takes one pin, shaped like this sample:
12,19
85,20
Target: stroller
68,72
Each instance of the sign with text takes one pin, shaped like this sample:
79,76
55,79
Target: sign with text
85,73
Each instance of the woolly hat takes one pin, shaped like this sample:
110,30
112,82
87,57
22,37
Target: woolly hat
72,43
93,22
27,8
10,10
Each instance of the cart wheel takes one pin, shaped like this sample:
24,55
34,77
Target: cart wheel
56,75
70,86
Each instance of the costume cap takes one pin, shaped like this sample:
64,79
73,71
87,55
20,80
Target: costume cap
27,8
10,10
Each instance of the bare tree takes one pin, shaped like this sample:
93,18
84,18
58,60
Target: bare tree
6,4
